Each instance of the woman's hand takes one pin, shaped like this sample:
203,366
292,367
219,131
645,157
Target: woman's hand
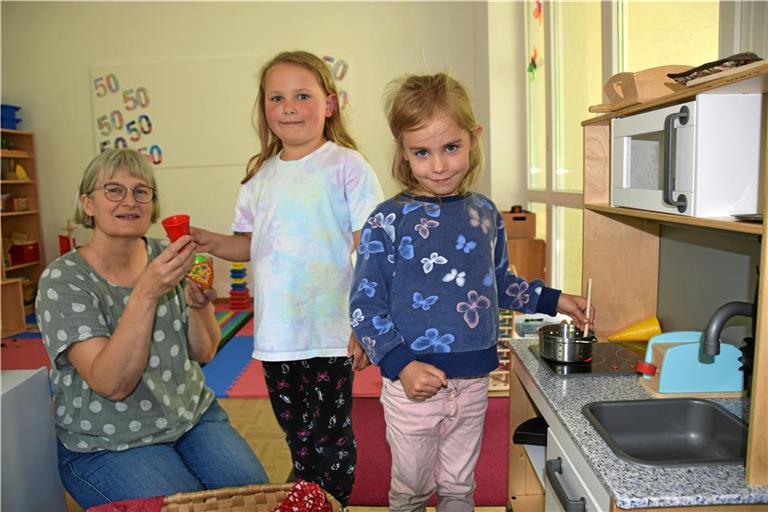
575,306
355,350
168,269
197,297
204,333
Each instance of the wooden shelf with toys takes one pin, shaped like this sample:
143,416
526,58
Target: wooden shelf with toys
499,384
23,257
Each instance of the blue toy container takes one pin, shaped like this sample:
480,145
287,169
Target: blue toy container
9,119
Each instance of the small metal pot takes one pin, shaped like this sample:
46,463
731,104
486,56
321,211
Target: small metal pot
564,343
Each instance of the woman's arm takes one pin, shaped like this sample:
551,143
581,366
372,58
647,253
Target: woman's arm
113,366
203,333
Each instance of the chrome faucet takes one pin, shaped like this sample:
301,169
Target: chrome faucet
710,340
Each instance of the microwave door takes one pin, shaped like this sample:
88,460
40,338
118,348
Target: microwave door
643,147
638,171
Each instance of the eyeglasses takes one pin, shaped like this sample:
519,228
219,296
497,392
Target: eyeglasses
116,192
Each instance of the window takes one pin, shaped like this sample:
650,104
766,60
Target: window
573,48
659,33
537,98
565,68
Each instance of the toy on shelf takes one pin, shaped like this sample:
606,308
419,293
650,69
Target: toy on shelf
7,143
8,116
239,297
21,173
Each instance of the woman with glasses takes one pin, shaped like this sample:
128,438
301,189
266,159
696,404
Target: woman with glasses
125,333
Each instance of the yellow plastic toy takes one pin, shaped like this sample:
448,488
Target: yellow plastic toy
21,174
640,331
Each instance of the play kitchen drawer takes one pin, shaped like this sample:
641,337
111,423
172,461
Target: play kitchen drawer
564,490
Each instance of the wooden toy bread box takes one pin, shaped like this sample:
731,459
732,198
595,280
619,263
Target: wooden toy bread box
628,88
674,366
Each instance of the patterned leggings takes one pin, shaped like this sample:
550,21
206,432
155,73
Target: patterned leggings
312,401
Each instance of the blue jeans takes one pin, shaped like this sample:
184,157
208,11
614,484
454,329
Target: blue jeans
209,456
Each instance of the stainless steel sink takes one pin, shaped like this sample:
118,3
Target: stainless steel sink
670,431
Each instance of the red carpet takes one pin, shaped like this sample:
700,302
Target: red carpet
250,383
24,352
374,460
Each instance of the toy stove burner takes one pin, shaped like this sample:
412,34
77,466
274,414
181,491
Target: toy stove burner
607,359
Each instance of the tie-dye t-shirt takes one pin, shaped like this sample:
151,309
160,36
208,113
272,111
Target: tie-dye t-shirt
74,303
301,215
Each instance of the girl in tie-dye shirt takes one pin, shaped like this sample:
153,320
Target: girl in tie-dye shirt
298,218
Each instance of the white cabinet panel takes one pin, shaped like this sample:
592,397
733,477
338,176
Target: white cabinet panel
562,473
29,460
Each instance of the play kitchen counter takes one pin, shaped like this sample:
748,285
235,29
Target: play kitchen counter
602,478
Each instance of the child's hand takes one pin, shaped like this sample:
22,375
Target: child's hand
422,380
355,350
205,240
575,306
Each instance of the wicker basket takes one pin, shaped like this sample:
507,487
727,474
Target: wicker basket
249,498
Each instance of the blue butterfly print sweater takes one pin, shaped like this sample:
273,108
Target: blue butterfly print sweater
430,276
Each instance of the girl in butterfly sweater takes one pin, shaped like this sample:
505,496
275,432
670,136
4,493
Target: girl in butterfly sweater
430,276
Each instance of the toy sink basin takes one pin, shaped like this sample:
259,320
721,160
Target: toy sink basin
670,432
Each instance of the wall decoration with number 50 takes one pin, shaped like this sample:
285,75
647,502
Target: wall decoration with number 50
124,117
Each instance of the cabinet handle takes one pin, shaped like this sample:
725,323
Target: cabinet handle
669,158
553,469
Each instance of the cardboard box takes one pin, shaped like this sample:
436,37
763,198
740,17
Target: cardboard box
520,225
20,204
528,257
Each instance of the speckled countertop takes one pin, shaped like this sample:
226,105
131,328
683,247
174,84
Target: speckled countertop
633,485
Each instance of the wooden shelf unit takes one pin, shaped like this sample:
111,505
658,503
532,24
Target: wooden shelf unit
723,224
18,277
629,284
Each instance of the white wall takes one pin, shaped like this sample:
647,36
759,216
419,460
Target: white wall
48,48
506,93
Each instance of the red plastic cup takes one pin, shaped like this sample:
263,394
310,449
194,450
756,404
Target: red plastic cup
176,226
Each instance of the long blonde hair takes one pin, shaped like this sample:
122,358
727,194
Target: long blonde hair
334,129
412,101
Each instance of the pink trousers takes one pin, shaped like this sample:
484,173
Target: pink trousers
435,444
